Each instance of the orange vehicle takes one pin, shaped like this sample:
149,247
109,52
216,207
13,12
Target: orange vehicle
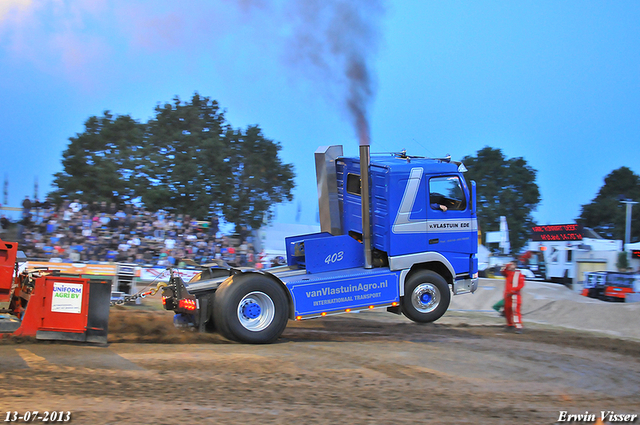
611,286
47,304
619,286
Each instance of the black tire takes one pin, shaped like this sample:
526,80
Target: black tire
426,296
251,308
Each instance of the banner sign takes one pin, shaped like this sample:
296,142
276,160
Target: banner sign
67,298
143,273
557,232
75,268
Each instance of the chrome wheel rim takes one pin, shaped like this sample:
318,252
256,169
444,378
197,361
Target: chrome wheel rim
425,298
256,311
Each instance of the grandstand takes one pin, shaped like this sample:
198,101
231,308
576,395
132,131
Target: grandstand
101,233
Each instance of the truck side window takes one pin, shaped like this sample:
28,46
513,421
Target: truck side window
447,191
353,184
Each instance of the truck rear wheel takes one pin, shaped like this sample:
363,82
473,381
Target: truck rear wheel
209,319
251,308
426,296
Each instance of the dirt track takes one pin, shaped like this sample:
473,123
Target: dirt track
372,367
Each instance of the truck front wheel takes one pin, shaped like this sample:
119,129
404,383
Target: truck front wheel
426,296
251,308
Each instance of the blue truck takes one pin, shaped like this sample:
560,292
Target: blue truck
398,232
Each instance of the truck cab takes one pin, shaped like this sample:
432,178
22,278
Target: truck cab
407,249
420,209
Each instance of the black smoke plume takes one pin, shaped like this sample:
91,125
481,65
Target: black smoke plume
335,42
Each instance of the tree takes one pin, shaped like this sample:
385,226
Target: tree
505,187
187,159
97,162
606,214
184,165
257,177
623,262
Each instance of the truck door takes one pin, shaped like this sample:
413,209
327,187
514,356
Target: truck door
450,226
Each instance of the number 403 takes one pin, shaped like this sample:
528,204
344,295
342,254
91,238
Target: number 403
334,258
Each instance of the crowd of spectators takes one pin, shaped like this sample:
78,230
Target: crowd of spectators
100,232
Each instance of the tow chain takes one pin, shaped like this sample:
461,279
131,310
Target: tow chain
131,298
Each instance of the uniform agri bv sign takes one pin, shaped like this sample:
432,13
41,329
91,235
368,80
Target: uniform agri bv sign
67,298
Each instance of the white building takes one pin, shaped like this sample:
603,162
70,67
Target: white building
566,262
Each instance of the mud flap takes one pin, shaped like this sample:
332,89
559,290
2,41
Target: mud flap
203,314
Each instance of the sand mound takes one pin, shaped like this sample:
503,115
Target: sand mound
557,305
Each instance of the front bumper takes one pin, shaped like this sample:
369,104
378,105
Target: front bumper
464,286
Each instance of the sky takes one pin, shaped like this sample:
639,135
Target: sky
557,83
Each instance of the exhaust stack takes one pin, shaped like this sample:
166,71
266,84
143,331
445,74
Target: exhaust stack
330,211
366,215
330,208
